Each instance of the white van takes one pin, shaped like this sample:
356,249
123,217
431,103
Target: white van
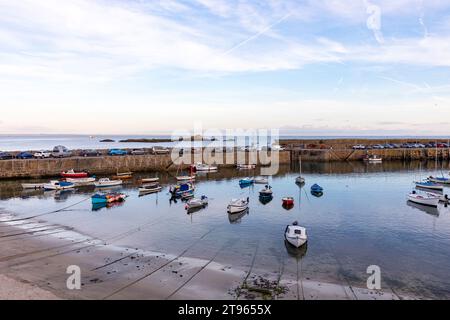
61,152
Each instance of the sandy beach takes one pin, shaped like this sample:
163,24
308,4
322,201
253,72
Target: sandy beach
34,260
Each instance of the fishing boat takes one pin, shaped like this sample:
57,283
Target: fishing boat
150,188
185,178
182,189
441,180
105,182
266,192
246,182
261,180
123,176
34,186
196,203
316,188
201,167
373,158
80,182
246,166
149,180
58,185
300,180
429,185
427,199
295,235
107,198
72,174
265,199
238,205
287,201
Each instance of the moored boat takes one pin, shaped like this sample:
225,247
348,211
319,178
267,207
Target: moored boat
261,180
246,166
185,178
266,192
295,235
201,167
246,182
441,180
182,189
316,188
426,199
123,176
287,201
373,158
429,185
300,180
80,182
106,182
149,180
58,185
238,205
34,186
151,188
107,198
196,203
72,174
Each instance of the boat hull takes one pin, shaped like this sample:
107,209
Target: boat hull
108,184
74,175
426,201
33,186
295,241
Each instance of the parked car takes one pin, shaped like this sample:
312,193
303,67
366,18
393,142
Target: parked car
5,156
396,145
378,146
406,145
61,152
117,152
137,152
359,147
24,155
90,153
42,154
162,150
388,146
441,145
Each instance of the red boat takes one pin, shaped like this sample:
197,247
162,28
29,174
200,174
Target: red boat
72,174
288,201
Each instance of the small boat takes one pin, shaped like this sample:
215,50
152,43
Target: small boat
80,182
187,195
266,192
123,176
149,180
316,188
261,181
427,199
107,198
442,197
246,166
197,203
265,199
205,167
72,174
105,182
295,235
58,185
34,186
287,201
429,185
185,178
151,188
373,158
182,189
238,205
246,182
300,180
441,180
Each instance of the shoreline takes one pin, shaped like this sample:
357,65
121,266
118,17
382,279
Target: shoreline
39,261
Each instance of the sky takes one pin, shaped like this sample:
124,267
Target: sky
313,67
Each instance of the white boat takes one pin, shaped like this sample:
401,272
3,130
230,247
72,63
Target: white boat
79,182
427,199
442,197
261,181
429,185
238,205
150,189
295,235
205,167
58,185
246,166
373,158
105,182
34,186
267,191
196,203
300,180
149,180
185,178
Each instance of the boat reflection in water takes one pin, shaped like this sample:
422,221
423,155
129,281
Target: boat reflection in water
288,206
295,252
427,209
236,217
99,206
317,194
265,199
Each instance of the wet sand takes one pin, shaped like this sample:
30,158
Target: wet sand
35,255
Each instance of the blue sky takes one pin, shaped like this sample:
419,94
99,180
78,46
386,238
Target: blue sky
308,67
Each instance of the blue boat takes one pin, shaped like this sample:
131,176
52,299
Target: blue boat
316,188
182,189
107,198
246,182
429,185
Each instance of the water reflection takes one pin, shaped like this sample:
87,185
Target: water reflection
265,199
427,209
236,217
295,252
317,194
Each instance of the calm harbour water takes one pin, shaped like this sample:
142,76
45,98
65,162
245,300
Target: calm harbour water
362,219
